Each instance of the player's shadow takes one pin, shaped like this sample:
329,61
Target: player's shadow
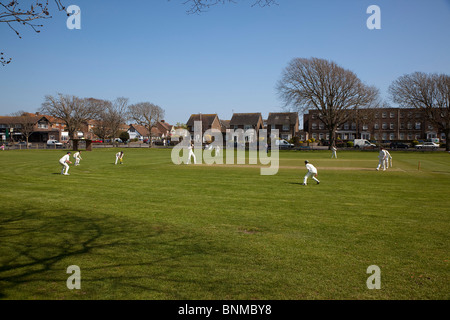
296,183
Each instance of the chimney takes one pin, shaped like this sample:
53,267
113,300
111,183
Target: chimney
162,121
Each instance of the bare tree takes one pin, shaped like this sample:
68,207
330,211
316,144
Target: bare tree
199,6
146,114
428,92
101,127
117,114
26,123
74,111
323,85
14,14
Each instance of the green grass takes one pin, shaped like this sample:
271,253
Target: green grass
149,229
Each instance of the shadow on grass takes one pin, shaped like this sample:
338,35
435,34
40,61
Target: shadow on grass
37,248
296,183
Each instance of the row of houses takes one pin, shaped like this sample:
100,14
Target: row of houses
44,127
287,123
400,124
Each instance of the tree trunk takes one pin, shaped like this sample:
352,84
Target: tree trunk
447,139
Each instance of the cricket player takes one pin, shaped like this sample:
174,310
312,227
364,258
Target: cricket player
312,173
382,159
388,160
119,157
77,157
217,151
64,162
334,150
191,154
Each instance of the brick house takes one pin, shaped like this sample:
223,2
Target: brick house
287,124
381,124
209,121
247,121
12,128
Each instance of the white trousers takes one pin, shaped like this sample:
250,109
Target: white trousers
334,155
77,161
381,164
65,168
310,175
191,154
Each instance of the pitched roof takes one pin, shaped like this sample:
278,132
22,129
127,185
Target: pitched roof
225,124
245,118
165,125
15,120
143,131
206,119
282,118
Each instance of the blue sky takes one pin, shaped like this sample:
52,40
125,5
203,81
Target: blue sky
222,61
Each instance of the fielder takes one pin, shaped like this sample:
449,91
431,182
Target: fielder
382,159
77,157
119,157
312,173
64,162
217,151
334,150
191,154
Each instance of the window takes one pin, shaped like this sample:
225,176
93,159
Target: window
314,135
365,127
285,127
314,126
392,136
321,135
321,126
409,126
346,126
402,115
392,115
391,126
247,126
384,136
430,127
402,136
402,126
272,127
353,126
384,126
417,126
376,126
410,136
384,115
